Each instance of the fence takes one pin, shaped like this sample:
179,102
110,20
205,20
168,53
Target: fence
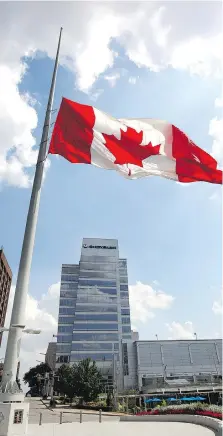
81,413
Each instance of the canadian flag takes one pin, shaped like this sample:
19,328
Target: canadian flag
133,147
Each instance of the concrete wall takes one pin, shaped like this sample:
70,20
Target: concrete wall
204,426
211,423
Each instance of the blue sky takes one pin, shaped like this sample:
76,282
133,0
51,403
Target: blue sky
170,234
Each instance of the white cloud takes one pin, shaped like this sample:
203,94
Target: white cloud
17,120
94,95
218,306
144,300
201,56
132,80
219,102
40,314
181,331
216,196
216,131
112,79
159,30
169,37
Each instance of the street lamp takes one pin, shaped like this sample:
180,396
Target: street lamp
11,389
22,327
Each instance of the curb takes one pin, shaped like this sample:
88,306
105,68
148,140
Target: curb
205,421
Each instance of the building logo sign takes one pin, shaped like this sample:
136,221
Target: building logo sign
106,247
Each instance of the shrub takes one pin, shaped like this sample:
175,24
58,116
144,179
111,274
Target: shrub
191,409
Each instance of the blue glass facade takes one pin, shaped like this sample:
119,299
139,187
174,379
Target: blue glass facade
94,313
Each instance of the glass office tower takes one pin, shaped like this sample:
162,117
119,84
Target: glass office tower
94,314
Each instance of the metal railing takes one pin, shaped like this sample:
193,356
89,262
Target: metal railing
81,413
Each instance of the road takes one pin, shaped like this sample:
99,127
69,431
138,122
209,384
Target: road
53,416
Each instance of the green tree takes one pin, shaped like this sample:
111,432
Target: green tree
87,380
35,376
65,381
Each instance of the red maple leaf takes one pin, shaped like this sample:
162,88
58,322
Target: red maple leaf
128,150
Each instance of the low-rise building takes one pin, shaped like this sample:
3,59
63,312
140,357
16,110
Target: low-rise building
50,358
173,363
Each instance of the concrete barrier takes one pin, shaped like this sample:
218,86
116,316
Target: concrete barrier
205,421
145,428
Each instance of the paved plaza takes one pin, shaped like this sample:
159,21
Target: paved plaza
110,424
53,416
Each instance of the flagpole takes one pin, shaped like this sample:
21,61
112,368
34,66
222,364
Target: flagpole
9,386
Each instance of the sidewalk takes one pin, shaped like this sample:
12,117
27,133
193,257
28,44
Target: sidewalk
69,409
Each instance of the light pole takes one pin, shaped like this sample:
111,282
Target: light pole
12,392
51,379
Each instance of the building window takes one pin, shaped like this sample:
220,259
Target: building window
95,326
99,259
66,319
124,294
67,302
125,320
96,317
125,311
65,329
66,286
69,278
70,269
95,337
124,288
126,328
122,263
95,308
66,311
96,290
64,338
89,346
98,274
94,356
63,359
18,417
124,280
63,348
91,282
96,299
97,266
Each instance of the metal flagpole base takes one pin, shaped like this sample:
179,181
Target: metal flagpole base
7,397
11,393
14,419
14,411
